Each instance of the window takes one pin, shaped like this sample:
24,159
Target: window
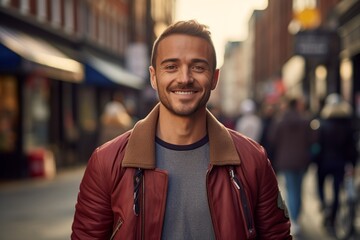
5,2
92,24
123,34
24,6
37,112
113,30
69,16
56,13
102,28
41,10
9,114
300,5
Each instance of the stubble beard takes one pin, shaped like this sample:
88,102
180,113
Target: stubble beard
184,109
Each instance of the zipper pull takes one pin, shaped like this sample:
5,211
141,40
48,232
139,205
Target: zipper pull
118,225
233,178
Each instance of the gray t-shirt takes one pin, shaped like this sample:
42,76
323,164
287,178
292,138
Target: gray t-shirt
187,214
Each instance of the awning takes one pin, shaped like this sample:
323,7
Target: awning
100,71
22,51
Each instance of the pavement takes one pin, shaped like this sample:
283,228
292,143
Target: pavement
311,219
42,209
39,209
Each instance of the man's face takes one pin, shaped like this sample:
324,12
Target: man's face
184,75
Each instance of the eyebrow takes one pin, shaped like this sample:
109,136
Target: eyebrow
196,60
169,60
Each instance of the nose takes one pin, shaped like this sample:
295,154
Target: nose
185,76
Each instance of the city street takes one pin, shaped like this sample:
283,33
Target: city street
43,209
39,209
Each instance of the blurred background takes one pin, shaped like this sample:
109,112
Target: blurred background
63,62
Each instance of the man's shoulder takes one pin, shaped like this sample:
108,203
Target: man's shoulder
112,148
255,167
248,149
243,142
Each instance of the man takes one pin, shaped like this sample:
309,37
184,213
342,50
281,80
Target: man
179,173
249,123
291,138
337,156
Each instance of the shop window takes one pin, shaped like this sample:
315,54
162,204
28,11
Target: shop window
36,112
87,111
71,132
9,113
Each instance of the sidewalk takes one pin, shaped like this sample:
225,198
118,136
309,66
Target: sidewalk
310,218
39,209
43,209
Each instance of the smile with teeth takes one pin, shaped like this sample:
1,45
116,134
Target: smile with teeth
184,92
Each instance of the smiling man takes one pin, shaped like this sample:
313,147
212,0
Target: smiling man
186,67
179,173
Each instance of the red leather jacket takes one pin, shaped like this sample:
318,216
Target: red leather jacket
242,189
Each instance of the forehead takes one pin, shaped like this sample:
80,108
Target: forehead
181,46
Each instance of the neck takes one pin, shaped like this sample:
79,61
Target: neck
181,130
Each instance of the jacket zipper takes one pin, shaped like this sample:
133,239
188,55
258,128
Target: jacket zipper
139,185
143,209
117,227
208,198
244,201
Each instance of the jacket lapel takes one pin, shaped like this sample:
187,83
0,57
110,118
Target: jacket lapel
140,150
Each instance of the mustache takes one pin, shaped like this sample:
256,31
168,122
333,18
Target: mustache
184,86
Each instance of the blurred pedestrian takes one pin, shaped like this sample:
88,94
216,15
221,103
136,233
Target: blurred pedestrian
337,144
268,112
249,123
291,138
115,120
218,113
180,173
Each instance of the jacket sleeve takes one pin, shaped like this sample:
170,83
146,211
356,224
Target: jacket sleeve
271,212
93,217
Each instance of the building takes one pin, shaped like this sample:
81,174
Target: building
348,15
61,61
307,48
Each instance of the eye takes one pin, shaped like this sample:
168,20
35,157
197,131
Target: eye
170,67
198,68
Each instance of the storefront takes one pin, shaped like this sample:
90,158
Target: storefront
349,31
103,79
35,78
51,103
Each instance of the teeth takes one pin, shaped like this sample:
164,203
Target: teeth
182,92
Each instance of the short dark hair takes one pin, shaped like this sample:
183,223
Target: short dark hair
191,28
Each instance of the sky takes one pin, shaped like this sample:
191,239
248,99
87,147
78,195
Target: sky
227,19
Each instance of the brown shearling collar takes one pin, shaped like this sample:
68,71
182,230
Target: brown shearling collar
140,150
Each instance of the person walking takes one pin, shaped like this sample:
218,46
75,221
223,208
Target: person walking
268,112
337,152
249,123
179,173
115,120
291,137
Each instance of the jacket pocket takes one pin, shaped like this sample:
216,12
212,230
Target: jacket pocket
118,225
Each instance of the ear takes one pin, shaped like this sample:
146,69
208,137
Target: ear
153,77
215,79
